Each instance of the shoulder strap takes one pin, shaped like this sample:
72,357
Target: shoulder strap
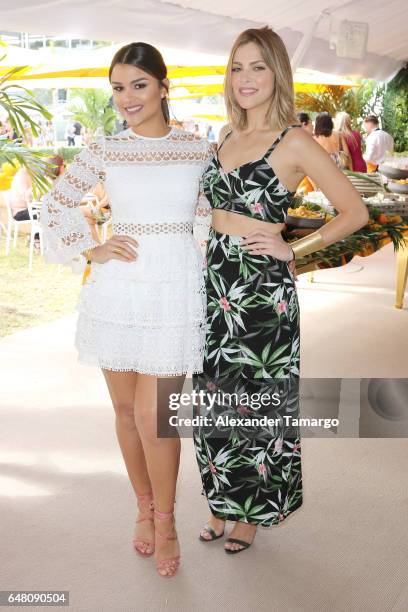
227,136
279,138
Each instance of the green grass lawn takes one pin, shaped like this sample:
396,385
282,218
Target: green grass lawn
29,298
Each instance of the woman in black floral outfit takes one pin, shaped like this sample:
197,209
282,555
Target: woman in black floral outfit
250,467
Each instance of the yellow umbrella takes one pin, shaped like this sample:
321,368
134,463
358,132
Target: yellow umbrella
174,72
305,80
16,58
198,91
19,73
210,117
15,55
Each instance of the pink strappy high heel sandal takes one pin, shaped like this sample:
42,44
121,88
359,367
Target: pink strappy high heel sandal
145,505
171,564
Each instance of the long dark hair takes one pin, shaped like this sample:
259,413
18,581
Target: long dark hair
323,125
147,58
57,166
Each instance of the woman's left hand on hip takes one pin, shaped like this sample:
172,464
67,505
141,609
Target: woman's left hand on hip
260,242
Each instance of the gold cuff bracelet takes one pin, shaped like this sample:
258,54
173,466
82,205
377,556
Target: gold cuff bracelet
308,244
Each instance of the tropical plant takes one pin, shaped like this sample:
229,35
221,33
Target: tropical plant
389,101
17,103
369,98
330,98
91,107
395,109
364,99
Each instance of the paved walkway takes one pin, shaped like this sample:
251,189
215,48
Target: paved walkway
67,509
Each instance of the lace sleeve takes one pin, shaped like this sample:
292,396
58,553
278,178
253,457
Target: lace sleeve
202,221
66,232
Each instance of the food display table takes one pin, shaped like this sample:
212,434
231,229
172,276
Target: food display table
388,222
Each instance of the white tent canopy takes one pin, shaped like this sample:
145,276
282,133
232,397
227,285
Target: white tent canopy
210,26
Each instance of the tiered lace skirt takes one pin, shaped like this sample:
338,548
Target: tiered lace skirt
146,316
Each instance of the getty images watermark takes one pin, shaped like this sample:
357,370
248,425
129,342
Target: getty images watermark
318,407
245,404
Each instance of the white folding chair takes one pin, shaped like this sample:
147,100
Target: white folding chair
12,224
34,210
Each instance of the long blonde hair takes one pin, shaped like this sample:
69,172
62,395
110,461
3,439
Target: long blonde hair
342,123
281,110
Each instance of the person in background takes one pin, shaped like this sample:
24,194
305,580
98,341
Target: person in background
197,130
39,140
305,186
49,134
21,190
70,135
28,134
77,134
7,131
342,124
334,143
58,167
13,133
20,194
87,137
305,122
210,134
378,142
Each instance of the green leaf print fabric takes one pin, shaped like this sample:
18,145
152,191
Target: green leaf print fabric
250,472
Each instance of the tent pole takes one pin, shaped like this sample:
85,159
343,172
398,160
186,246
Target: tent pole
306,40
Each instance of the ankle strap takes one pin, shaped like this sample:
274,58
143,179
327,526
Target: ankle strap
145,503
163,515
146,497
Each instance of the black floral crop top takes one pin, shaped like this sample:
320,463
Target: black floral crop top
252,189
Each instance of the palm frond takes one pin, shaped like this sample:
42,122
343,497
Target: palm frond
18,103
17,107
362,175
356,101
94,110
36,162
12,72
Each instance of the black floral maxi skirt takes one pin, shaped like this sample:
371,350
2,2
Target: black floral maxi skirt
246,440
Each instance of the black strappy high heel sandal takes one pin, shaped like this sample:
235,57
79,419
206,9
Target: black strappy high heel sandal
212,533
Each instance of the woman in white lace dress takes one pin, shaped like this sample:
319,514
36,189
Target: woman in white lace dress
142,309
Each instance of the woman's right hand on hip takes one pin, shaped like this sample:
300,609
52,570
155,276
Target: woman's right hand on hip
117,247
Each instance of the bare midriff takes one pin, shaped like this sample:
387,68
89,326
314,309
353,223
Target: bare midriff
234,224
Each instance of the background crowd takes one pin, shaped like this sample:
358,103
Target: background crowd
345,145
349,149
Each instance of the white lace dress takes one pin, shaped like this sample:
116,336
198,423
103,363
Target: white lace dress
146,316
